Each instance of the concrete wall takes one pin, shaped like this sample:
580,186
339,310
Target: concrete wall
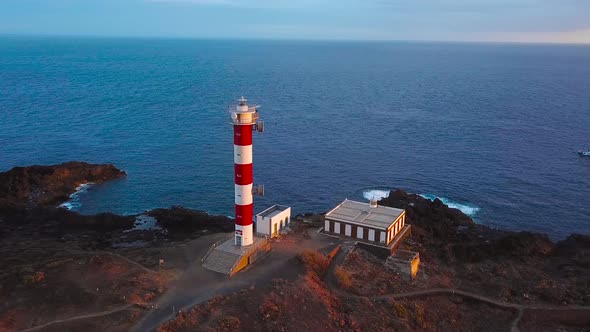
381,252
406,265
250,258
266,226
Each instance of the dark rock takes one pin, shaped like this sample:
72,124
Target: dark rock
179,219
29,196
455,237
50,185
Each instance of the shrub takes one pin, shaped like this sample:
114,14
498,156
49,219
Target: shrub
342,277
418,316
32,279
228,323
400,310
315,261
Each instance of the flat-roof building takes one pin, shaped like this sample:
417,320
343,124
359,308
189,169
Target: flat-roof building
272,220
365,221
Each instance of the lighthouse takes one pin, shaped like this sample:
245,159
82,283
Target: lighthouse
248,243
245,121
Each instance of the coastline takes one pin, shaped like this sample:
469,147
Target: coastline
147,255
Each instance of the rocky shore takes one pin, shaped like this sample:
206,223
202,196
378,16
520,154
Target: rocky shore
521,266
30,196
58,263
49,186
458,239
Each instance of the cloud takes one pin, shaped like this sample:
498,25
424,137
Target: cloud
580,36
197,2
244,3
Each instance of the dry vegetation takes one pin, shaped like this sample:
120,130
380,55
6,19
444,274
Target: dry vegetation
66,288
315,262
342,277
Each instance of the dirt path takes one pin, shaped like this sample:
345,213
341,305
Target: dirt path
93,315
473,296
514,325
198,285
341,256
98,252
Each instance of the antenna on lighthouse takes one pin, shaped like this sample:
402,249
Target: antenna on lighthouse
259,126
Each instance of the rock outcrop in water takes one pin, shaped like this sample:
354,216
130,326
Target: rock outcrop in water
29,197
456,237
48,186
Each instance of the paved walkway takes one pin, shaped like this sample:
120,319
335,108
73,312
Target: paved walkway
197,284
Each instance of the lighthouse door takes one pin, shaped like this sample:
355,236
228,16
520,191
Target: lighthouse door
238,240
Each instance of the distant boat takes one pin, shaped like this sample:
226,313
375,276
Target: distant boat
584,153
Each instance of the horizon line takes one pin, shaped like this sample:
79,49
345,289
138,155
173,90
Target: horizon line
93,36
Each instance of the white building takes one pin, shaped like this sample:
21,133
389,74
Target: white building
270,221
366,222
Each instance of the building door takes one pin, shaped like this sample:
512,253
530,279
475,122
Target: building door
276,229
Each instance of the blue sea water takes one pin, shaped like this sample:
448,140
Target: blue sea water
491,128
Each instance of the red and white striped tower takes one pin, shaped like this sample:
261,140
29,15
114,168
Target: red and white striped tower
245,121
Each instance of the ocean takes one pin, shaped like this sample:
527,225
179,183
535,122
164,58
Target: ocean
492,129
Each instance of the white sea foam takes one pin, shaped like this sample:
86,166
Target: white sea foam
145,223
467,208
375,193
74,202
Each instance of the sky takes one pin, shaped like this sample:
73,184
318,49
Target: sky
545,21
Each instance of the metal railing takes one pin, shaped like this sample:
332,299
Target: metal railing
244,118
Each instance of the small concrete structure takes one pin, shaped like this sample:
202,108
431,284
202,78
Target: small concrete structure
365,222
404,261
272,220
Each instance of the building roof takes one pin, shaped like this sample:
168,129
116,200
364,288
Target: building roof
364,214
272,211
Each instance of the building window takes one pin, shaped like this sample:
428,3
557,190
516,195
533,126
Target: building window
347,230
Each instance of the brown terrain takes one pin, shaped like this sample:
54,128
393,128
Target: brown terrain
59,265
65,272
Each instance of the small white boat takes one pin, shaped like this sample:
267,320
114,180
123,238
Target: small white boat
584,153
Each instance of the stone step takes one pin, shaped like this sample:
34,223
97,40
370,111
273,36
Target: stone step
220,261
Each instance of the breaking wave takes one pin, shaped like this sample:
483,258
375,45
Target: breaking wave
145,223
467,208
74,202
375,193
